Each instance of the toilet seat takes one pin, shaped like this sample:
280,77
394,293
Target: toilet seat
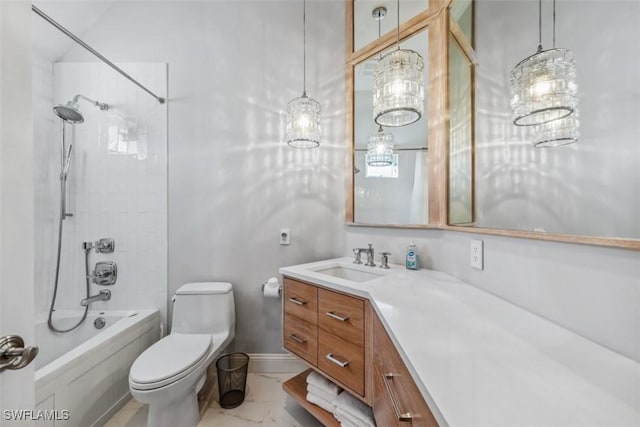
168,360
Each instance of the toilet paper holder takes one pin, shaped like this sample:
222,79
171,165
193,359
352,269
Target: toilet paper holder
265,284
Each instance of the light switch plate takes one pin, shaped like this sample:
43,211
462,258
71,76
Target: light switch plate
477,254
285,236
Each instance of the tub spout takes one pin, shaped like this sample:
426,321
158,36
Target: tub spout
104,295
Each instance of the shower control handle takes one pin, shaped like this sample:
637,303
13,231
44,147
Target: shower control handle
105,273
105,246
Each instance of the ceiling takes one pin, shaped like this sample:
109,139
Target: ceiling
77,16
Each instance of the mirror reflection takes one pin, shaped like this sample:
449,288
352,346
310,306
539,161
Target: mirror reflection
590,187
396,193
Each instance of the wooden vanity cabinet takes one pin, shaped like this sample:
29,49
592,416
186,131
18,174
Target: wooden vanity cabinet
341,337
326,329
396,398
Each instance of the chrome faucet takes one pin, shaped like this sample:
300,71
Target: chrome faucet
104,295
384,259
357,252
370,251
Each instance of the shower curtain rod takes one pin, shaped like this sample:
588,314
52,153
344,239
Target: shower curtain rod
93,51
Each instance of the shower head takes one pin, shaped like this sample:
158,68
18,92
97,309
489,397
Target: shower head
70,112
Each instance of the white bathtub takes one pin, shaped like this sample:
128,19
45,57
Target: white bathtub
86,371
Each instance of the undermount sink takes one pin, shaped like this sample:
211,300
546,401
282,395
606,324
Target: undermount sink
347,273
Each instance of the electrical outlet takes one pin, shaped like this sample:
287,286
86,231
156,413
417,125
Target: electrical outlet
285,236
477,254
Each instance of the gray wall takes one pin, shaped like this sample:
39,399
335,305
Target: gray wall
233,181
591,187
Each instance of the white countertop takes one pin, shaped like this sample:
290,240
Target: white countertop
481,361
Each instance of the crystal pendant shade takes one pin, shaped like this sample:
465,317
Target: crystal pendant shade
380,149
558,132
544,88
398,88
303,122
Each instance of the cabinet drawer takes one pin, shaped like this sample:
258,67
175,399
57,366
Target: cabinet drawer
342,352
301,300
342,316
301,338
395,392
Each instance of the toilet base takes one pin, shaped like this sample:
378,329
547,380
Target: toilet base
180,412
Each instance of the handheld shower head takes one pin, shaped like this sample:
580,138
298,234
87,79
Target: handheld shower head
70,112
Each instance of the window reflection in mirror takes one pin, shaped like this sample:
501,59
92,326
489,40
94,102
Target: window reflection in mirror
379,197
366,27
461,136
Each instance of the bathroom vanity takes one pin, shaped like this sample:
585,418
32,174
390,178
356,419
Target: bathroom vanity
424,349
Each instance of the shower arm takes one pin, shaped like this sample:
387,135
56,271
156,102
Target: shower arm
102,106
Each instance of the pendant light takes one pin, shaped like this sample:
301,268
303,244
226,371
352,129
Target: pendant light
558,132
380,149
303,121
398,86
543,86
380,145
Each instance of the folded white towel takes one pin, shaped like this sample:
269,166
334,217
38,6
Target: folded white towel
323,403
321,382
346,404
348,419
320,392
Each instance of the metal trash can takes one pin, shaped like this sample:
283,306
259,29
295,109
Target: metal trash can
232,378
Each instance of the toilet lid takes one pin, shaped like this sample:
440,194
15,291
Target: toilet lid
170,356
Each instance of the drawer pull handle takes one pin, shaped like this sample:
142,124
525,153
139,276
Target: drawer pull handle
295,300
337,362
296,339
335,316
399,416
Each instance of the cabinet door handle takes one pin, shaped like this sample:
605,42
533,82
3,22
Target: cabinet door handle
399,416
295,300
335,316
296,339
337,362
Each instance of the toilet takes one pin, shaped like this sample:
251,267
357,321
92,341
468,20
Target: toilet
168,375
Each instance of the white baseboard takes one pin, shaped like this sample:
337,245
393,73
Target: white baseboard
275,362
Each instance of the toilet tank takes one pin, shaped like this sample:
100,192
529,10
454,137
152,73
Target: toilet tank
204,308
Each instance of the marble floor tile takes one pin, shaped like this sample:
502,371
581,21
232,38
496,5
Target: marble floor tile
265,405
266,387
133,414
289,415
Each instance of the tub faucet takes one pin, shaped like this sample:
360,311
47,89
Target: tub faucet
104,295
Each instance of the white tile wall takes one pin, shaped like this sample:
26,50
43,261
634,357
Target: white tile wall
118,195
46,184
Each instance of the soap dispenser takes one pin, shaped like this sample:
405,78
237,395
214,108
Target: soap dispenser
412,262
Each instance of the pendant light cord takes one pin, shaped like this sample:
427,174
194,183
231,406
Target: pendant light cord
539,26
398,21
304,48
554,24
